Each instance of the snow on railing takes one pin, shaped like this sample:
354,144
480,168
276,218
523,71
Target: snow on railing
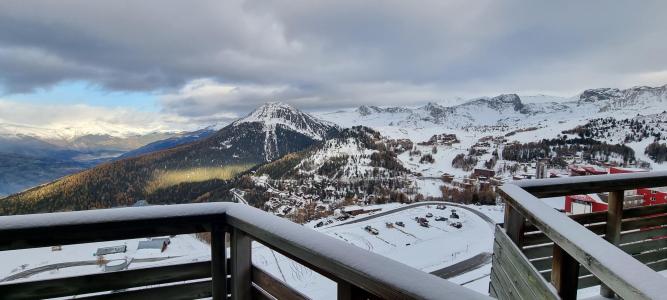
356,271
575,244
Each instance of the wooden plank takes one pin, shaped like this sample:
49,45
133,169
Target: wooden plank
273,286
589,218
658,266
641,211
643,246
556,187
652,256
520,270
541,264
31,231
77,285
539,251
588,281
539,237
606,261
507,284
241,270
564,273
514,225
642,234
190,290
648,221
501,290
219,261
613,228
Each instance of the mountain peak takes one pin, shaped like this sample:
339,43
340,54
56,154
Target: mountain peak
274,114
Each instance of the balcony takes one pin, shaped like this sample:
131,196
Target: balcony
229,274
540,253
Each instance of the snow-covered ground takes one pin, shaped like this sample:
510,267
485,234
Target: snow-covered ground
182,249
428,249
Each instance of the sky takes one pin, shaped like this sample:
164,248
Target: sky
186,64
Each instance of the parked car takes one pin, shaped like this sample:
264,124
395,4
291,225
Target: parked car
457,225
399,223
422,222
454,215
429,215
389,224
320,224
441,207
371,230
439,218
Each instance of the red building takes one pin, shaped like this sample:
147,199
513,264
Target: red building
578,204
651,196
582,204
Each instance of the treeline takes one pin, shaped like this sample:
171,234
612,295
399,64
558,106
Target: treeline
554,148
465,162
601,128
657,151
485,196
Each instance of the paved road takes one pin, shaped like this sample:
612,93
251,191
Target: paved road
464,266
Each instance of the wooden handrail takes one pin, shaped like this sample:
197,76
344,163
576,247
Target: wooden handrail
625,275
369,273
377,274
554,187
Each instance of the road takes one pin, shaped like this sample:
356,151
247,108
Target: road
56,266
413,205
464,266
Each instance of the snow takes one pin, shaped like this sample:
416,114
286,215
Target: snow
427,249
182,249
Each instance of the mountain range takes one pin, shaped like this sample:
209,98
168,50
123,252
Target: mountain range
191,166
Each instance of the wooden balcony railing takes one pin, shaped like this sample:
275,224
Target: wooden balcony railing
359,274
540,252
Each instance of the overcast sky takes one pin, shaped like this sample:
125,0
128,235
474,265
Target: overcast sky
201,61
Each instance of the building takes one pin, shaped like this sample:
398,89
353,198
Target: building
154,243
582,204
111,250
357,210
483,172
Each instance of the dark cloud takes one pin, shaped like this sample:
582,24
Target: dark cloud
219,57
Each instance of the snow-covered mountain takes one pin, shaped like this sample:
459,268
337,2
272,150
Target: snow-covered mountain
510,110
278,120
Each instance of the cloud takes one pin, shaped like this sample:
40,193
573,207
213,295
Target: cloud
92,119
216,59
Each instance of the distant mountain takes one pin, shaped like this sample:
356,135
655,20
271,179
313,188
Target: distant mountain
637,98
269,132
33,156
510,110
176,140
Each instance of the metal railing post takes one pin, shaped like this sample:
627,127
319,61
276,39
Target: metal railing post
613,228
